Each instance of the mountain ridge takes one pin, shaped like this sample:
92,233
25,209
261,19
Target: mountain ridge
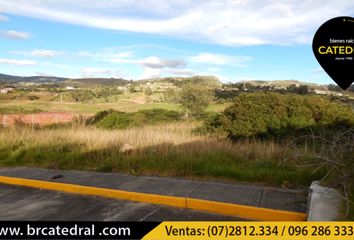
5,78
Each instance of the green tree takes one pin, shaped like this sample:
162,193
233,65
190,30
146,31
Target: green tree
194,99
171,96
132,89
302,89
148,91
82,95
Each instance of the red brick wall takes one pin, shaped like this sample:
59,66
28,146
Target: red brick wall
38,118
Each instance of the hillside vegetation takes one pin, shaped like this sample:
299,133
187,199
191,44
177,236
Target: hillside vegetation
274,114
196,127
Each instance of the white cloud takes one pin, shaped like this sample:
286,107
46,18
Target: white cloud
225,22
109,55
158,72
150,73
17,62
179,72
156,62
99,72
127,57
43,53
220,59
12,34
38,53
155,66
3,18
44,74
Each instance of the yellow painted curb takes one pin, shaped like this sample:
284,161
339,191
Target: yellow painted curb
241,211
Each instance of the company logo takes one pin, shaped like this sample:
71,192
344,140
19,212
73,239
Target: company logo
333,46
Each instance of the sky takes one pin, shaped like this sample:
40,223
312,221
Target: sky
234,40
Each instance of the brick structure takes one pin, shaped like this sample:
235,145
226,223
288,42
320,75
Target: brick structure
45,118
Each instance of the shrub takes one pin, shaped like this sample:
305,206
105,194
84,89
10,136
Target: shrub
148,91
116,120
33,97
98,117
120,120
159,115
82,95
212,126
172,96
274,114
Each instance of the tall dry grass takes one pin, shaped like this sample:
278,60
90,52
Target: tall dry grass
91,138
173,134
165,150
173,150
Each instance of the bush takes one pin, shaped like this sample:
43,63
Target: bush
116,120
32,97
148,91
172,96
98,117
120,120
212,126
274,114
82,95
159,115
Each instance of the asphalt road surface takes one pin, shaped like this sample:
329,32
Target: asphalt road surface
21,203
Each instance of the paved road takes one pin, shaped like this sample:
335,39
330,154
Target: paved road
20,203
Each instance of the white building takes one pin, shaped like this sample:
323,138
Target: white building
6,90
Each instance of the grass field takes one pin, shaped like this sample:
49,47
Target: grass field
165,150
13,106
27,106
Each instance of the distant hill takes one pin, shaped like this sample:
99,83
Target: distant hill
208,81
44,79
278,83
15,79
9,78
50,79
99,81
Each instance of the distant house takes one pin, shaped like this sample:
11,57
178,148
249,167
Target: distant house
6,90
322,92
281,87
70,88
326,92
123,89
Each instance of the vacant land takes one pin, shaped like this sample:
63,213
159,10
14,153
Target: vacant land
287,137
167,150
16,106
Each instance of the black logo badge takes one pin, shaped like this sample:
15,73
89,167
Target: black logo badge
333,46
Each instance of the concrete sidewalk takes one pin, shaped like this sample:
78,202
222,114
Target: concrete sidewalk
249,195
31,204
